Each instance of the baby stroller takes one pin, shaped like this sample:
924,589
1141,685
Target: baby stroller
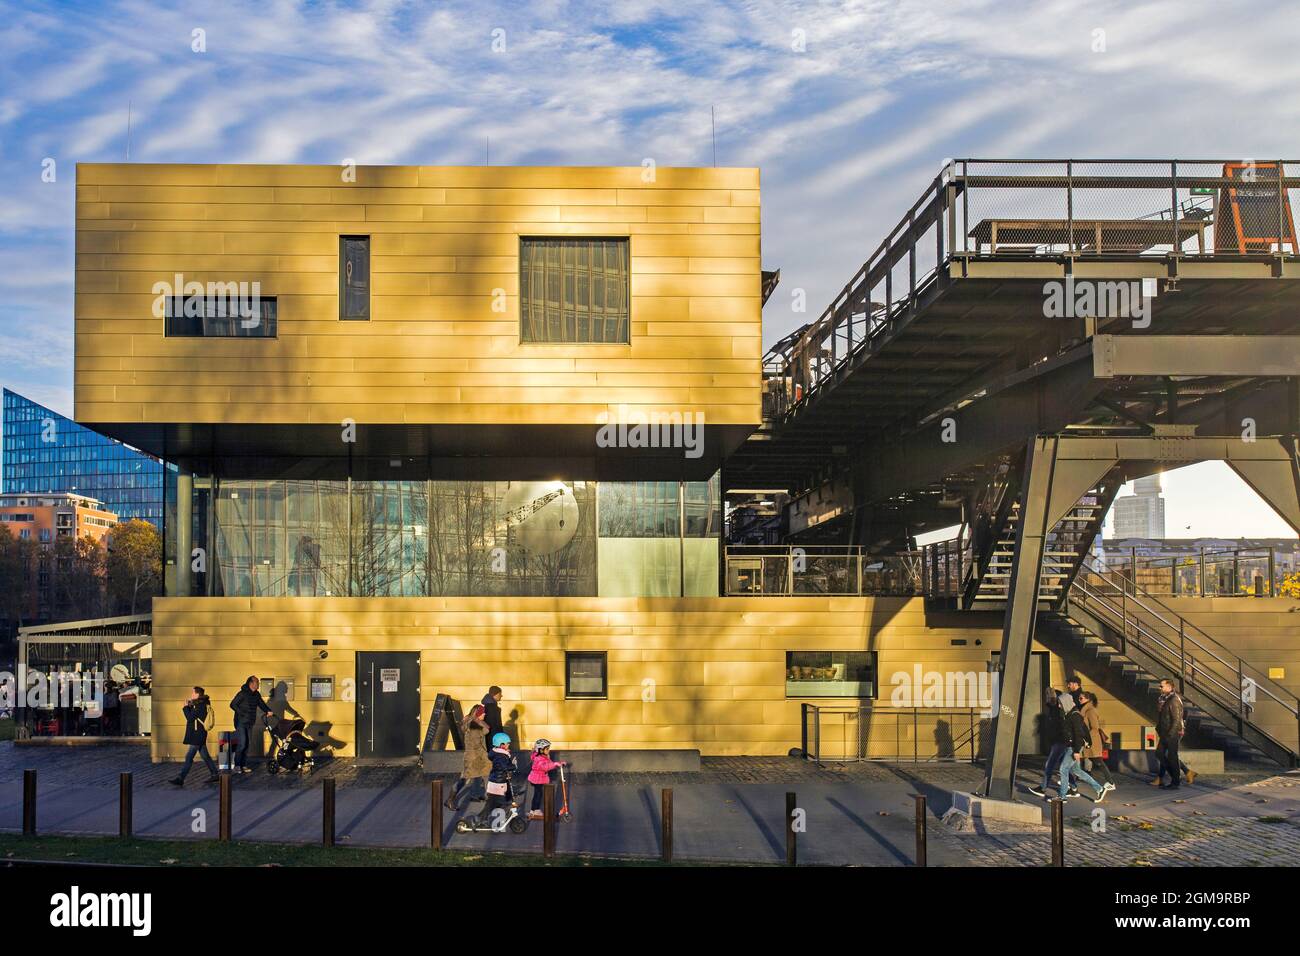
291,748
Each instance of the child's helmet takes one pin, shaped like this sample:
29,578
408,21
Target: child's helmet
499,740
541,744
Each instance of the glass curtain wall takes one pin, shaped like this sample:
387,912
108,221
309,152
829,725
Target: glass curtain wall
392,538
660,538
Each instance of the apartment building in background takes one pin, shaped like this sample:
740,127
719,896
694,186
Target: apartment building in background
44,520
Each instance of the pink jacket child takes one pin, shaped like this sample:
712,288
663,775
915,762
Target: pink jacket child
540,775
542,767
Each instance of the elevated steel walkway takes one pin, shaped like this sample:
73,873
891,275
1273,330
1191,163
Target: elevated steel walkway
1028,337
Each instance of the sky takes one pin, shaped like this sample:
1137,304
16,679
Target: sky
850,110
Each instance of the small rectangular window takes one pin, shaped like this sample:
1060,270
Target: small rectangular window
830,674
574,290
586,674
354,277
221,317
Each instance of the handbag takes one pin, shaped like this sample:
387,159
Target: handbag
497,789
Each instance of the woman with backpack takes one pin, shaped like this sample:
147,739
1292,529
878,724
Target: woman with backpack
199,721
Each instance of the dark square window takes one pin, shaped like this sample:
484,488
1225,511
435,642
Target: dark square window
586,674
574,290
221,317
354,277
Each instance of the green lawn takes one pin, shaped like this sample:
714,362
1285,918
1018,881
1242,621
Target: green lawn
213,853
7,729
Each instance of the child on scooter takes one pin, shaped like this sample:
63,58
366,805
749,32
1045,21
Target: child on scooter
540,774
498,785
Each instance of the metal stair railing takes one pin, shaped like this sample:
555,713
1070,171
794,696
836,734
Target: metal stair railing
1217,676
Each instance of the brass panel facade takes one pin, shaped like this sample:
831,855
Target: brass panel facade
694,673
442,345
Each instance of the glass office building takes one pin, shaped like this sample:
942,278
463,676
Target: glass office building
43,452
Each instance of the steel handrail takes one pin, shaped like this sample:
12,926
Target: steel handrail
1216,652
1173,656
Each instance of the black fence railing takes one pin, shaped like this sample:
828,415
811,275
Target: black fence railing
758,570
852,733
1228,572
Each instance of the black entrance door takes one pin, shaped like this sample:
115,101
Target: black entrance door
388,704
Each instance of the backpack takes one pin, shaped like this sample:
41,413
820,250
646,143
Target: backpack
209,719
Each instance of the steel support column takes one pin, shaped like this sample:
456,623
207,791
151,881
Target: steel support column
1053,483
1021,613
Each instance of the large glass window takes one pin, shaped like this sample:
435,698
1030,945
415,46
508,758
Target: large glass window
574,290
830,674
398,538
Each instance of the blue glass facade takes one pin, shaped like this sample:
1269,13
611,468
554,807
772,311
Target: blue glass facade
43,451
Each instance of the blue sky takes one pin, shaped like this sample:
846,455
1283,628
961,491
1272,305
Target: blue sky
847,130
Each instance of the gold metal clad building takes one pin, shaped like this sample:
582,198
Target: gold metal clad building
439,428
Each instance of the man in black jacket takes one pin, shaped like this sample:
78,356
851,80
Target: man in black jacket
492,714
1077,737
1169,730
1054,735
248,706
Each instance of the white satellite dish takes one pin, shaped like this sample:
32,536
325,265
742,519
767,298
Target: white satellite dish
541,515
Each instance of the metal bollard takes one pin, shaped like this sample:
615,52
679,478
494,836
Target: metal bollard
327,811
921,847
790,852
124,805
435,814
224,809
666,824
29,803
548,820
1058,832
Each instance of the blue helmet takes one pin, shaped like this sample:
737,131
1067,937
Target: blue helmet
500,740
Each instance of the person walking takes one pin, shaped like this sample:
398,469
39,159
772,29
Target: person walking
492,714
1093,760
248,707
1076,733
1169,731
477,762
1054,735
200,718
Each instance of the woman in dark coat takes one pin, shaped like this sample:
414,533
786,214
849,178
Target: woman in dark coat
198,718
477,763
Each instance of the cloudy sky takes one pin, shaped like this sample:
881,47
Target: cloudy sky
849,110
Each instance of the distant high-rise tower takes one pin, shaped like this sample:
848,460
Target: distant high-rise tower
1141,514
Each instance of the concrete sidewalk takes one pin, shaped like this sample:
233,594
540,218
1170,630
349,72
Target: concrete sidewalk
732,810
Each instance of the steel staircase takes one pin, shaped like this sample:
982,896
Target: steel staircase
1126,641
1066,548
